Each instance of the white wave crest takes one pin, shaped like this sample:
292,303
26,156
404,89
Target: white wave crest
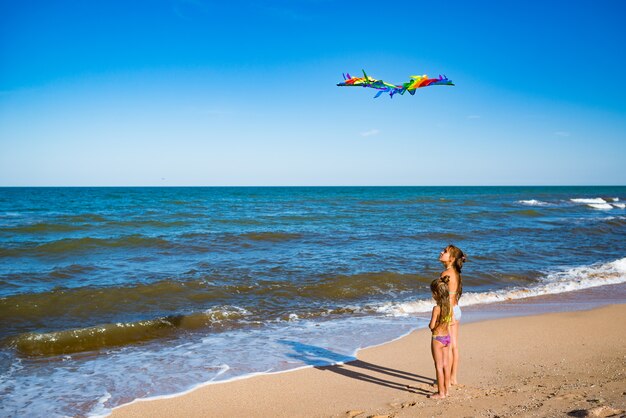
561,282
533,202
404,309
596,200
601,206
619,205
599,203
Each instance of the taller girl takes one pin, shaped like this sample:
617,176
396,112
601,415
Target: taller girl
453,258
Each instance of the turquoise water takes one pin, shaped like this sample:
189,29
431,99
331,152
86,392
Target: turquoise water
109,294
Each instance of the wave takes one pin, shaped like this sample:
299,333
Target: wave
178,202
412,201
533,202
147,223
120,334
599,227
52,227
603,206
440,236
573,279
615,220
73,245
112,335
263,237
595,200
271,236
241,221
601,203
79,305
187,215
43,227
595,203
84,218
72,270
527,212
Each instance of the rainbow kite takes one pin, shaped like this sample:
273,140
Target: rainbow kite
416,82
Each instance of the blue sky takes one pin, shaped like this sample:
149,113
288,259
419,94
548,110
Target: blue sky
193,92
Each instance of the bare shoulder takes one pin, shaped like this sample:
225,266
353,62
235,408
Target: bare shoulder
454,280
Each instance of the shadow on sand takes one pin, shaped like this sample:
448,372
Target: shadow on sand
354,368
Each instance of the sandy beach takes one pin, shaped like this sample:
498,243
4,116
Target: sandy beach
553,364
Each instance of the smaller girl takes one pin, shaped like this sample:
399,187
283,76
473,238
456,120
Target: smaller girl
439,325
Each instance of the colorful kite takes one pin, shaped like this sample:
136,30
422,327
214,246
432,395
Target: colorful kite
416,82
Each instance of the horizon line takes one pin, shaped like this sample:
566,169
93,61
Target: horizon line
311,186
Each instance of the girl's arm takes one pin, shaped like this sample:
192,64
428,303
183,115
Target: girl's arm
434,318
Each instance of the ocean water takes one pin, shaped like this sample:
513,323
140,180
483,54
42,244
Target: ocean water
112,294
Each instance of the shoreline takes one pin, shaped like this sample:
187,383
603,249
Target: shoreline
476,316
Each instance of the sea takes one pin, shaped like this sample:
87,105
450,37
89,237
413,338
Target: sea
108,295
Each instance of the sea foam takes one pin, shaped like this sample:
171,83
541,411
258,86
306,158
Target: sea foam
572,279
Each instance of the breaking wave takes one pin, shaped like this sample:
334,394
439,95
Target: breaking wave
119,334
570,280
601,203
533,202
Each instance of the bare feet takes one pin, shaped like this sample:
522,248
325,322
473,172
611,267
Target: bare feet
437,396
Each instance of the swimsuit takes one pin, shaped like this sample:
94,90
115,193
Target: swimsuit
457,312
443,339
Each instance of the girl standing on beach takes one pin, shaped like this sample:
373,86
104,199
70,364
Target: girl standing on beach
440,327
453,258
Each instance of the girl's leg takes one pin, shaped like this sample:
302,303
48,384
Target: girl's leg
454,352
438,356
447,366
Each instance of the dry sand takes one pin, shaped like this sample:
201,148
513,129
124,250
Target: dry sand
563,364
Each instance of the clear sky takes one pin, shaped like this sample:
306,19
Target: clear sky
195,92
